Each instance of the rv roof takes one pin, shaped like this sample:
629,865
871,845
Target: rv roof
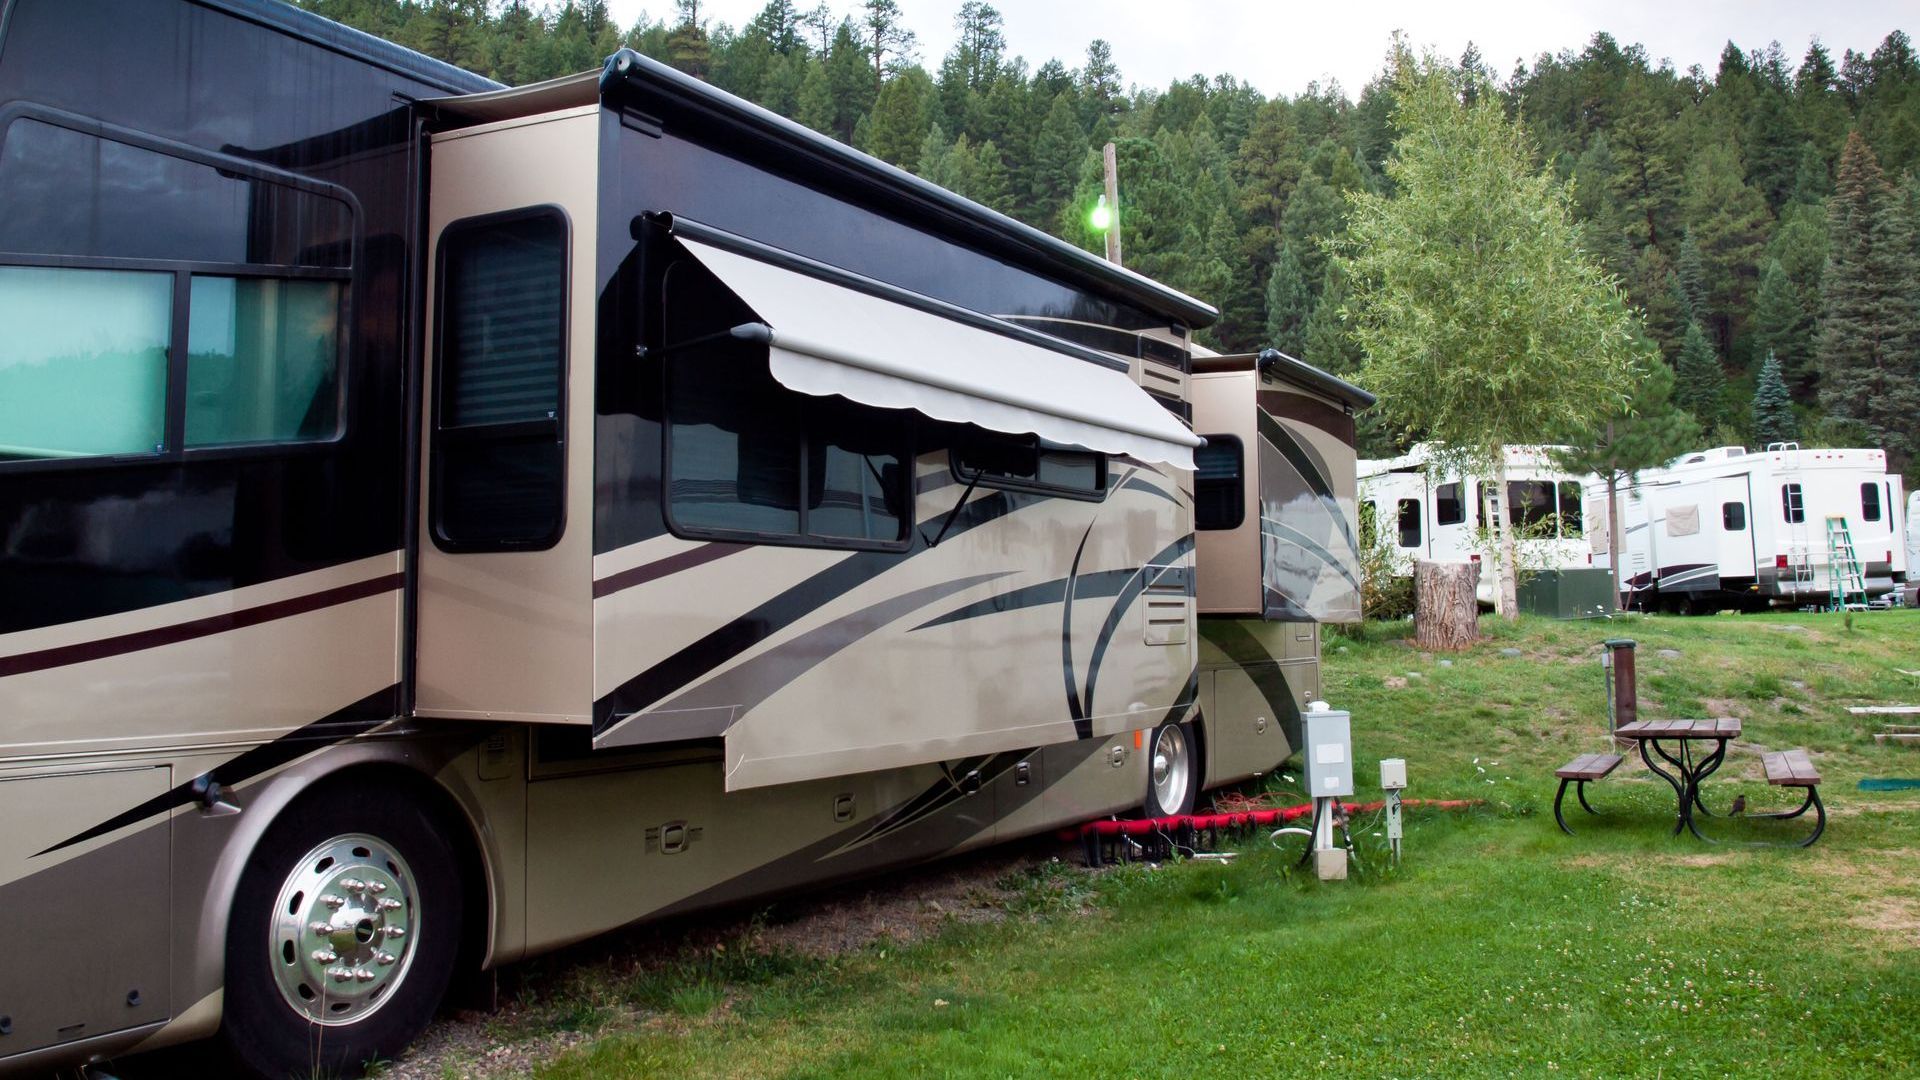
664,87
1206,360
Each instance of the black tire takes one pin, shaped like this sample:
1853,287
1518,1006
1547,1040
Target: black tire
1160,801
261,1029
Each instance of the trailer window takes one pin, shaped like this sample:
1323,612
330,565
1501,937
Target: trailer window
1219,488
1869,502
1409,523
498,455
263,360
1448,509
1790,504
83,362
1571,527
1530,504
1733,516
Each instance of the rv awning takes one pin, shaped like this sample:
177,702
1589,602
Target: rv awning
880,346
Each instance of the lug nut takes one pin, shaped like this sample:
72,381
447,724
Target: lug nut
384,958
333,901
324,956
352,884
394,933
389,905
321,928
364,975
339,974
376,887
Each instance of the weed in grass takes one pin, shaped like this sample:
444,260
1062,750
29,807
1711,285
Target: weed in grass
696,998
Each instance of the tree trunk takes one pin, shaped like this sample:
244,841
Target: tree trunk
1507,594
1447,614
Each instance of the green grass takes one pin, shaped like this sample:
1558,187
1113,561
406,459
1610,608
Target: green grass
1500,946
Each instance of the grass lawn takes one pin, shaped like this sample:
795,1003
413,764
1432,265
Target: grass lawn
1500,946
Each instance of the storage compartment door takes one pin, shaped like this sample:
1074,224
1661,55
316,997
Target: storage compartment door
93,929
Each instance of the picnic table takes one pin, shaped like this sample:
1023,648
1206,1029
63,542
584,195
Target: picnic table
1674,741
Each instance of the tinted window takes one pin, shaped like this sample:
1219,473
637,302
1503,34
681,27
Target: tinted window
1409,523
92,196
1025,463
1733,516
1530,503
1790,505
1219,489
1570,523
263,360
498,453
1448,508
1870,502
83,361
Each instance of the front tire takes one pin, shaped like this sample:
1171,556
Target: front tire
1173,771
343,935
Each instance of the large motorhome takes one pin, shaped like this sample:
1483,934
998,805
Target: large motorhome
1438,516
1725,527
439,523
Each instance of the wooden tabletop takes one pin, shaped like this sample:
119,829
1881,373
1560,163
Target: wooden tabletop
1725,728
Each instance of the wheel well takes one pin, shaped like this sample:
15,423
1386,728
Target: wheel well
458,829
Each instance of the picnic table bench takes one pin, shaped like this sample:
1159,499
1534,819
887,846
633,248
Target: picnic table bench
1793,768
1579,772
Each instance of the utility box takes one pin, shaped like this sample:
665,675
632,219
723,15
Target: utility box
1328,752
1393,773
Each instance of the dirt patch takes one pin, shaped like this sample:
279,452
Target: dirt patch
1895,915
1720,708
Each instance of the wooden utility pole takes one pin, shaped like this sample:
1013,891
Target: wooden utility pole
1113,203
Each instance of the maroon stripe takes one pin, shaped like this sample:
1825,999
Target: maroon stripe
659,568
187,631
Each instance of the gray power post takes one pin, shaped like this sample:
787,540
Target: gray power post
1393,777
1328,735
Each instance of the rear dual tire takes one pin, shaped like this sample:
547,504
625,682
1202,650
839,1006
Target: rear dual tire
343,935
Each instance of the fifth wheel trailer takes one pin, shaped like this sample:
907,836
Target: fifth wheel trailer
1729,526
439,523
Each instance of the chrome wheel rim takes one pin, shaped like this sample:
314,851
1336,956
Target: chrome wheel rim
1172,771
343,930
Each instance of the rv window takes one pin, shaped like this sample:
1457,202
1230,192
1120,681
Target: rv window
1409,523
499,454
1530,505
1024,463
1869,502
83,362
1570,524
263,360
1790,504
1447,507
1733,516
74,193
750,459
1219,490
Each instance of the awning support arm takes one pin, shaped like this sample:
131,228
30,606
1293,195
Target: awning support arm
952,514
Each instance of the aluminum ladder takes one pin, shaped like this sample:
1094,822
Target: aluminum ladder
1847,583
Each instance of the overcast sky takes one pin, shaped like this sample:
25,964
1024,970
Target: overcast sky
1282,45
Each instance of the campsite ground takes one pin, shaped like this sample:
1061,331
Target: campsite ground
1499,946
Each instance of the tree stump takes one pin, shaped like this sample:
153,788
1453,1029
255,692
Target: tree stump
1446,614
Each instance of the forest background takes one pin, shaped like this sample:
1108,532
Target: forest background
1769,207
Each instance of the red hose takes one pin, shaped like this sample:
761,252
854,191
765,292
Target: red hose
1241,820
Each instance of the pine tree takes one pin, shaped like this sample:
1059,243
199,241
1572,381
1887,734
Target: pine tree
1728,223
1869,343
900,118
1329,345
1773,418
1692,271
1057,153
687,46
1289,303
1782,324
1700,385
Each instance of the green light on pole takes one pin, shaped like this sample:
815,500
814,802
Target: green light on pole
1101,219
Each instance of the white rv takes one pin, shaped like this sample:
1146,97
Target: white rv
1727,527
1425,512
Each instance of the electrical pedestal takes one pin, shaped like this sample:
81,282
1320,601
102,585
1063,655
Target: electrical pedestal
1328,754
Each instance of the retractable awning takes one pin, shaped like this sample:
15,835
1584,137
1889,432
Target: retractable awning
881,346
